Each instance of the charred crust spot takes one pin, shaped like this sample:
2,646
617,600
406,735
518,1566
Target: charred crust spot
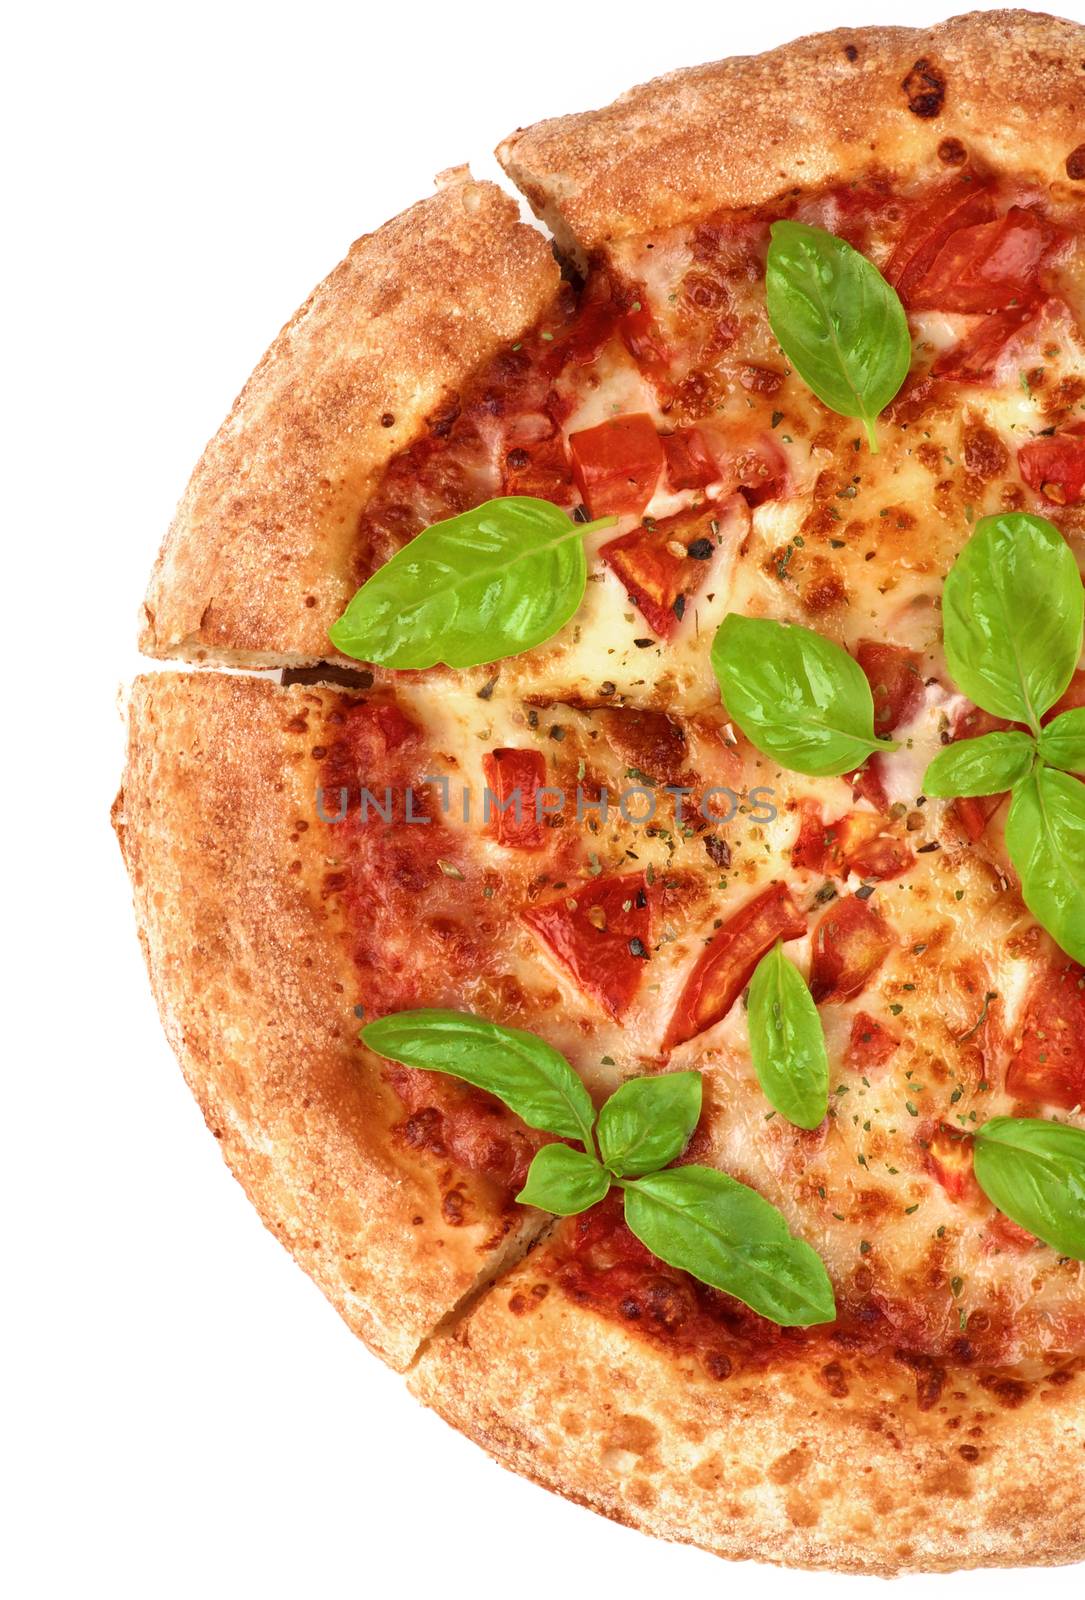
930,1378
717,1365
852,52
1009,1392
1075,163
388,420
925,88
834,1379
952,153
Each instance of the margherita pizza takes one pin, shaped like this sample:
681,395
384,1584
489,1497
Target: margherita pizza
625,923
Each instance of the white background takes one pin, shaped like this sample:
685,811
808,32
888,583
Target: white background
184,1413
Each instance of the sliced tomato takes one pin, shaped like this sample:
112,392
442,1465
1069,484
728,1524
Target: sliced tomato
850,943
1055,467
948,1157
602,932
871,1043
989,267
617,465
1049,1066
661,567
895,683
814,849
515,777
726,966
962,202
689,465
975,358
649,740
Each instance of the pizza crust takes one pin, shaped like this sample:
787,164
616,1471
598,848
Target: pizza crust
1009,85
789,1464
256,991
257,564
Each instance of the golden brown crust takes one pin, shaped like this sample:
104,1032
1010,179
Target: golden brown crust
1009,84
256,992
257,563
788,1465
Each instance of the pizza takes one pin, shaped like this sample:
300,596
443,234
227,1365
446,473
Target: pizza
622,913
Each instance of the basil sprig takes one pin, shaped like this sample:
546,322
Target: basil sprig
1034,1171
838,322
490,583
787,1042
1013,620
692,1217
797,696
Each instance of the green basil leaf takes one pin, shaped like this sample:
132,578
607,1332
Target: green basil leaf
490,583
1062,742
648,1121
1045,836
518,1067
797,696
724,1233
1012,611
839,323
1034,1171
987,765
564,1181
787,1042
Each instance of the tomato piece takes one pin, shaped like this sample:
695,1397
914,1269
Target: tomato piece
750,462
540,468
871,1043
975,358
972,813
514,777
648,740
1050,1063
989,267
948,1157
895,683
880,859
601,932
1071,700
958,204
657,577
1055,467
689,465
726,966
868,782
850,943
1005,1234
642,338
617,465
854,843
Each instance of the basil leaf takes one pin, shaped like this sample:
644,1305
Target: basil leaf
1062,742
1034,1171
725,1234
1012,613
648,1121
564,1181
490,583
987,765
1045,835
787,1042
518,1067
797,696
837,320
